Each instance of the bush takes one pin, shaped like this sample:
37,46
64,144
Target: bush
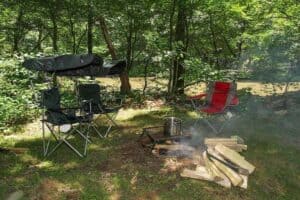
16,106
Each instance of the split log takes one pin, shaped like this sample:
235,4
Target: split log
238,138
232,175
234,157
220,140
235,142
210,169
201,168
197,158
244,184
236,147
217,175
213,153
197,174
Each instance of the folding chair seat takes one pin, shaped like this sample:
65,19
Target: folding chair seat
62,123
220,97
90,100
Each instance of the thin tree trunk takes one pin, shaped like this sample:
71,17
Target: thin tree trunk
73,35
214,42
90,27
17,34
172,12
129,44
180,37
39,41
145,78
80,39
125,84
54,32
41,38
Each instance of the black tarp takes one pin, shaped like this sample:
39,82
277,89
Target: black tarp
76,65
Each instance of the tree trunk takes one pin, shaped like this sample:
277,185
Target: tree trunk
40,39
73,35
125,84
129,44
54,32
177,84
172,12
90,27
214,41
17,34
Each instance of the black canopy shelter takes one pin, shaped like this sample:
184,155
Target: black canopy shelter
76,65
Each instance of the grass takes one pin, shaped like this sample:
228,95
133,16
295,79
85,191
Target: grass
118,168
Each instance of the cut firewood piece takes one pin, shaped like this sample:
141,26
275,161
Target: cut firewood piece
201,169
244,184
239,139
234,157
197,158
232,175
213,153
225,182
236,147
196,174
174,147
210,169
220,140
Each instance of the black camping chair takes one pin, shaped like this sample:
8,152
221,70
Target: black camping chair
90,100
62,123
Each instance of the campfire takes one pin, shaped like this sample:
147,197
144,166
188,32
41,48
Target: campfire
216,159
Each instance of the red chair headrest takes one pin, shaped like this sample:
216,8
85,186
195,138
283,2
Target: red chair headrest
222,86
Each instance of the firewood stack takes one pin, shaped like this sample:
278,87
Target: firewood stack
222,163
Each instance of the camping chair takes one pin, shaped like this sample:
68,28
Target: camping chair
61,123
90,100
220,97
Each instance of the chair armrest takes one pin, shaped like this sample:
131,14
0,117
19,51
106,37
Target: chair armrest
235,101
199,96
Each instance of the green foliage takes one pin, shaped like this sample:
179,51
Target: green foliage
198,70
16,106
222,40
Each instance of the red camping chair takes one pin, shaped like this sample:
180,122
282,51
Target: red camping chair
219,98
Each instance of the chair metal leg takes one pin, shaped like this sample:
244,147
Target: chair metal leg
112,119
94,126
211,126
59,142
86,141
63,140
82,135
73,148
107,130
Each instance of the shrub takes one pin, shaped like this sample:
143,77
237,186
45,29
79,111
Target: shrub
16,106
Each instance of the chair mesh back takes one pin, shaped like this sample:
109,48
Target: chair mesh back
50,99
222,86
90,92
220,93
219,100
